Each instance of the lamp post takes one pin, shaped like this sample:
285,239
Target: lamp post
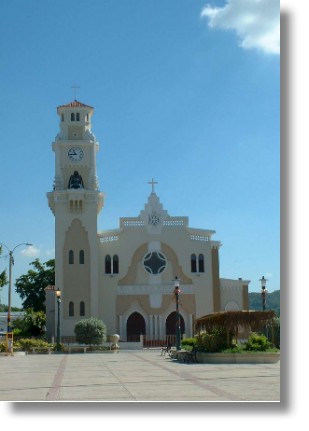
178,332
58,295
263,292
9,346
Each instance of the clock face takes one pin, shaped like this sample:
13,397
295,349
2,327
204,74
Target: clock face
75,154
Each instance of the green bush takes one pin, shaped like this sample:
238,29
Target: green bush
90,331
257,343
27,344
31,324
214,341
189,342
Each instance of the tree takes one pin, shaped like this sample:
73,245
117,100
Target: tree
31,324
3,278
30,286
90,331
3,282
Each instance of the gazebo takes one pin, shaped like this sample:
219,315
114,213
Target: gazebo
236,322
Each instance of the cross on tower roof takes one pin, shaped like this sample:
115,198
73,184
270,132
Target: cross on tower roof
75,88
152,182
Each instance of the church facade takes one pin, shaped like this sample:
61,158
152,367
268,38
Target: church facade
125,276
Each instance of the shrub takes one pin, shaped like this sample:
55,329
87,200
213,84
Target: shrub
90,331
189,342
31,324
27,344
214,341
234,349
257,343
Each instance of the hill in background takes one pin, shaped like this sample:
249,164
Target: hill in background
272,301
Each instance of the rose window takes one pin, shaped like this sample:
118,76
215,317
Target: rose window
155,262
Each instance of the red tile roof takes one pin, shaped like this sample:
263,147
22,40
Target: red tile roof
75,104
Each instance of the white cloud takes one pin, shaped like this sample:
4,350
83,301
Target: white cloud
50,252
31,251
256,22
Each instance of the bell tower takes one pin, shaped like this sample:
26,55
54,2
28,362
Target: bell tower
76,202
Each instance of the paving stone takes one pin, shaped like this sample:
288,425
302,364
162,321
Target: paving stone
134,376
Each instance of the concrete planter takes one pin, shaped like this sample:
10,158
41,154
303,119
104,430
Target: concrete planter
238,358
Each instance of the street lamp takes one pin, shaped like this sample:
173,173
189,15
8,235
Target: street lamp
263,292
9,326
58,295
178,332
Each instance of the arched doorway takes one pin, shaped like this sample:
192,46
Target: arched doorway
171,322
135,326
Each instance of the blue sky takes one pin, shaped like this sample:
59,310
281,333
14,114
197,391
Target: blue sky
183,92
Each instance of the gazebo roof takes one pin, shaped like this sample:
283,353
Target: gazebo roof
230,319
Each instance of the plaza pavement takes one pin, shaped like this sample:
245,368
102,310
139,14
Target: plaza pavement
139,375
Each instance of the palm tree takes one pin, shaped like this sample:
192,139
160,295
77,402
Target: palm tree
3,282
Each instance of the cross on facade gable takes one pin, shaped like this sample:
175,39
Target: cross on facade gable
152,182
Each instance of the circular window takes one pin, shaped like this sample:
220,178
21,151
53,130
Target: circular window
155,262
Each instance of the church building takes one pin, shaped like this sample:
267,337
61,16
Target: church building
125,276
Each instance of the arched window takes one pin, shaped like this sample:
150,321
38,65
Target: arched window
200,263
72,116
71,308
62,117
77,116
115,264
82,308
193,263
108,264
87,117
111,264
81,257
71,257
